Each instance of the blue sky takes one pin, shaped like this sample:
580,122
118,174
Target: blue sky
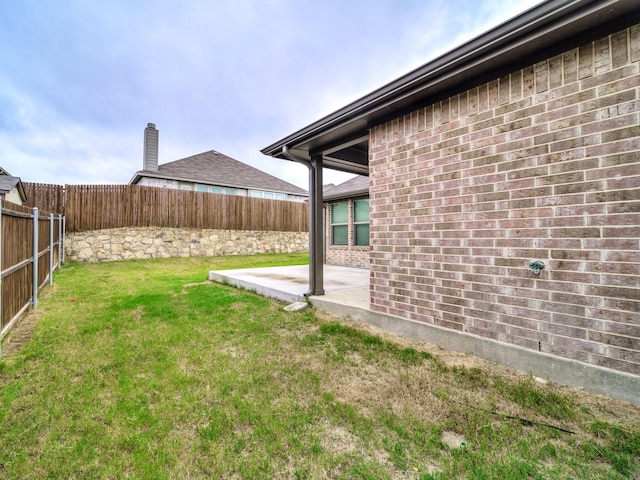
80,79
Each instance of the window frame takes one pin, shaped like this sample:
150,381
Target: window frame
357,223
267,195
220,190
339,224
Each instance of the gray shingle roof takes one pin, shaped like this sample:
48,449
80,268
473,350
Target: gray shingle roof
215,168
354,187
7,183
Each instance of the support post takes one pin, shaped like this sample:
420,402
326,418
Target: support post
316,227
316,240
34,301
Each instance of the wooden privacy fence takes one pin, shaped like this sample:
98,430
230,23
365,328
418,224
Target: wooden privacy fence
45,196
97,207
31,249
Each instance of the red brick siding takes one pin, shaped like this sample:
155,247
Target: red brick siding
542,164
345,255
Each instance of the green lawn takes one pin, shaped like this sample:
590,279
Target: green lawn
142,369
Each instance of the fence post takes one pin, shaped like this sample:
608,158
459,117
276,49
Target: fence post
59,241
35,258
1,279
51,249
63,239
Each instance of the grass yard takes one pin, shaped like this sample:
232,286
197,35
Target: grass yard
144,370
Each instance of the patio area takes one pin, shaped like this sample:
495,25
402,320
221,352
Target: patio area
345,288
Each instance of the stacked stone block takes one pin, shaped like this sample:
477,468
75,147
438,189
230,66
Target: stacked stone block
153,242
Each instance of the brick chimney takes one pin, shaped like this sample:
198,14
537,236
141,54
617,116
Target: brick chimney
150,154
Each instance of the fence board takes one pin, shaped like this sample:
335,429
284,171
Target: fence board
46,197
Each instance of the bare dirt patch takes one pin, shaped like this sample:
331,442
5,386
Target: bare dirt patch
23,329
19,335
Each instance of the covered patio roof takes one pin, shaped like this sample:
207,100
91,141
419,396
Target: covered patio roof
340,141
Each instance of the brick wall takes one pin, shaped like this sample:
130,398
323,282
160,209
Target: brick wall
345,255
542,164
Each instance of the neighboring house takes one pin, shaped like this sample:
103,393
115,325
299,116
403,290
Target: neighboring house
516,150
11,188
210,172
347,223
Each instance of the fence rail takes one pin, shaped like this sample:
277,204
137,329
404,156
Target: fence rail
31,249
97,207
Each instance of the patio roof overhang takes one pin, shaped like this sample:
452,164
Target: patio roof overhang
550,28
340,140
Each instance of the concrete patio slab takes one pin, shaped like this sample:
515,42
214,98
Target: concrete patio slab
342,285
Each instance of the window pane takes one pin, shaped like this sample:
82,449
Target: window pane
186,187
280,196
340,234
216,189
362,234
361,211
230,191
202,188
268,195
339,212
256,193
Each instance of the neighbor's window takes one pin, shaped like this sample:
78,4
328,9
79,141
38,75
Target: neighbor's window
340,223
225,190
361,221
267,195
202,188
186,186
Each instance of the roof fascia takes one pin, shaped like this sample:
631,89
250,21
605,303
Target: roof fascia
345,195
21,191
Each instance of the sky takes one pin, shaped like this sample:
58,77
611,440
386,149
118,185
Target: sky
80,79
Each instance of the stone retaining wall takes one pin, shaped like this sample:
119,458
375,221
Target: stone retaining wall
153,242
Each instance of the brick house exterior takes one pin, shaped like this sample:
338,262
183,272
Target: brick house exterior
541,164
521,146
